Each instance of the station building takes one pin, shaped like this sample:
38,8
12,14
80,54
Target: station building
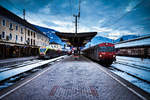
18,37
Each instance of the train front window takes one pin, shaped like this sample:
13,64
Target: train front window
75,52
106,49
42,49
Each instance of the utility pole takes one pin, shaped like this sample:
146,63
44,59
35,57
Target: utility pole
76,24
76,27
24,13
76,19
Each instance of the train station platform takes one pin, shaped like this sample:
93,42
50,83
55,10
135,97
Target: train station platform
70,79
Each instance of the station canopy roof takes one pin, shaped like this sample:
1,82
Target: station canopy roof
76,40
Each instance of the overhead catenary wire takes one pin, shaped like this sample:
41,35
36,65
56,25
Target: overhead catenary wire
71,12
12,5
124,15
79,15
21,10
70,5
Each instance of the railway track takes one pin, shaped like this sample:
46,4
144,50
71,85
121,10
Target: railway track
10,67
135,61
134,65
13,74
113,68
136,74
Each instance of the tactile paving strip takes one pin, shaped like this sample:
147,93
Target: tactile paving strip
73,91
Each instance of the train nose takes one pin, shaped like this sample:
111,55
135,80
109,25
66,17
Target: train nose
107,55
42,54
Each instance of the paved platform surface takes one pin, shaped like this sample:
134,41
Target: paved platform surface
72,79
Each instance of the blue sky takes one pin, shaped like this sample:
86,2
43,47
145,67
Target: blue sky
110,18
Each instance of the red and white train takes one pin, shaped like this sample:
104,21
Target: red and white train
103,53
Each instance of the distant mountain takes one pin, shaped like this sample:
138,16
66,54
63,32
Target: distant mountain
51,34
98,39
126,37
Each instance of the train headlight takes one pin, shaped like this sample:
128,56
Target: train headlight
100,55
114,56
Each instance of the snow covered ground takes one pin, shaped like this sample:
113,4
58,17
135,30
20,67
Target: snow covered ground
135,66
134,61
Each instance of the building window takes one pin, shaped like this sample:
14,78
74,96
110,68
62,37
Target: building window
28,41
21,38
34,34
3,35
21,30
3,22
28,32
16,37
11,26
31,41
10,36
34,42
16,27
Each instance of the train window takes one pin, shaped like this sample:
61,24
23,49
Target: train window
75,52
42,49
48,51
106,49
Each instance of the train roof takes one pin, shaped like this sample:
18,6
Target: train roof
138,42
106,44
52,47
54,43
101,44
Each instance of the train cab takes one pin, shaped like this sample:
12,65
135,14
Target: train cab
103,53
42,52
107,52
75,53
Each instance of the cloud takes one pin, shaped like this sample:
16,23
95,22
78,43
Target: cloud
115,34
84,29
101,29
131,5
45,19
62,29
113,37
64,5
64,24
53,23
110,32
45,9
118,33
56,15
61,23
101,21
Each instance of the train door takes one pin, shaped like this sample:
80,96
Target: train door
97,53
